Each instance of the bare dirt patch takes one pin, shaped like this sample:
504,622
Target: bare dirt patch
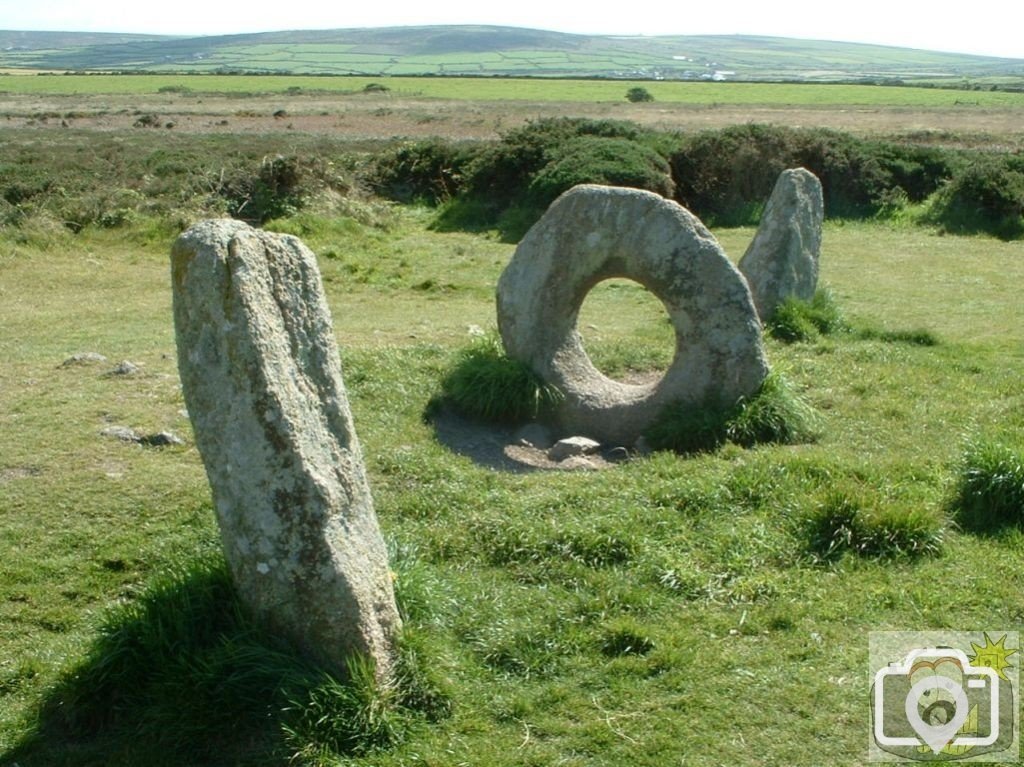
496,447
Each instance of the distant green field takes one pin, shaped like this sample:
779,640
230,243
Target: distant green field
521,89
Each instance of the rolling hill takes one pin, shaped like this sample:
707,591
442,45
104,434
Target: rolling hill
494,51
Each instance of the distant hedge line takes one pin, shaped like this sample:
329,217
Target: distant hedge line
724,176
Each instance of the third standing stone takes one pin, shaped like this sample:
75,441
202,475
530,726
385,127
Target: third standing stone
262,381
782,260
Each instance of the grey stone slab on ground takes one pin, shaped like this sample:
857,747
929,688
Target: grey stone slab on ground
782,259
593,233
83,358
262,382
573,446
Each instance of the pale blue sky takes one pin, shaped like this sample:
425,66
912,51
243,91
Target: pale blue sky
983,26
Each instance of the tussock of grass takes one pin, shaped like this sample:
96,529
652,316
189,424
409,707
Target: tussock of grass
797,320
183,664
989,494
851,521
775,414
917,337
488,385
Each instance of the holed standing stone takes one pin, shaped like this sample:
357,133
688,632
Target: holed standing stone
262,382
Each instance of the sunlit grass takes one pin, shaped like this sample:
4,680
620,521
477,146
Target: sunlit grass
594,617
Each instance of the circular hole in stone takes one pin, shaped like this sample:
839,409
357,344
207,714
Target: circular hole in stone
626,332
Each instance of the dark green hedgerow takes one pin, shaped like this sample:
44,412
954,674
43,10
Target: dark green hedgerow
987,196
725,176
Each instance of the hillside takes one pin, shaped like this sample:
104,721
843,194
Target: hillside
494,51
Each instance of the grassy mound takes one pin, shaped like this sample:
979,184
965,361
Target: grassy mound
989,494
775,414
183,664
488,385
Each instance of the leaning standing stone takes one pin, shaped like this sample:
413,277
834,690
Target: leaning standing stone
782,260
262,381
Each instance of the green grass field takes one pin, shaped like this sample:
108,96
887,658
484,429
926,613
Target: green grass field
671,610
524,89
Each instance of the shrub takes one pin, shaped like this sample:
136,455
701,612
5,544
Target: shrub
850,520
725,176
600,160
281,186
430,171
986,196
488,385
498,179
989,493
774,414
638,95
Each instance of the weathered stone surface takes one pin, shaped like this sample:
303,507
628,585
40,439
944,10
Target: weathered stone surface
573,446
162,439
593,233
83,358
262,381
782,259
123,433
125,368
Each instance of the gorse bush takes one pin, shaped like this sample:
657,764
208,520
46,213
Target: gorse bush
774,414
508,184
486,384
430,171
987,196
599,160
989,494
725,176
639,95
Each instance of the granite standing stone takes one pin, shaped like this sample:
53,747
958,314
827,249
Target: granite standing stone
593,233
262,381
782,259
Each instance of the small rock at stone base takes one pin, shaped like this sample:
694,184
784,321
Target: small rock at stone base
534,435
576,462
573,446
124,368
123,433
162,439
83,358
